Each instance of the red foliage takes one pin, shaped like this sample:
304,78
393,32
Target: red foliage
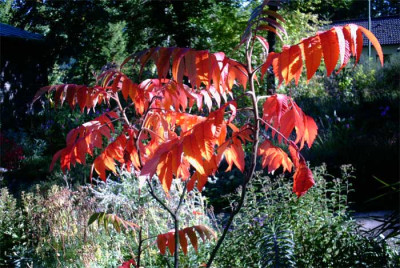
11,153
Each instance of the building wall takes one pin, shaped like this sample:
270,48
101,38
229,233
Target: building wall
387,51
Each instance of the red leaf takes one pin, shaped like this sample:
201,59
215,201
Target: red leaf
171,242
294,154
273,14
168,239
177,67
264,43
303,179
183,241
292,120
127,264
271,56
344,38
162,243
270,29
163,61
190,64
192,237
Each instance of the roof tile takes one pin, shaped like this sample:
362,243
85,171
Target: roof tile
386,29
10,31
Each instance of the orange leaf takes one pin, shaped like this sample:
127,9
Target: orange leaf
235,154
284,61
313,54
330,49
164,170
274,157
200,179
203,68
374,42
177,67
310,131
295,65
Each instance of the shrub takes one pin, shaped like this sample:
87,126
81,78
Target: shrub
50,226
277,229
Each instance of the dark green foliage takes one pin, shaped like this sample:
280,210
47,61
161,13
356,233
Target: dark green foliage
276,229
364,134
277,246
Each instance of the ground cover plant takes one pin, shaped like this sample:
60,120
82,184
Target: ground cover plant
202,109
313,231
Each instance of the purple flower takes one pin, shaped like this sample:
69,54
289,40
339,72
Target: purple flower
384,110
259,220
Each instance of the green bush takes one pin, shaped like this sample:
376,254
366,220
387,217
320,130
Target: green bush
49,228
276,229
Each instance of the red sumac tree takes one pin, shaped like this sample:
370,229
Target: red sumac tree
181,124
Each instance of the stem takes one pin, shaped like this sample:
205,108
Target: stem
176,225
139,248
122,110
274,129
137,141
151,191
174,215
263,97
250,172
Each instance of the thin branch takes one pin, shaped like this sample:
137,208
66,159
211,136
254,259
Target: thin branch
151,191
274,129
176,225
263,97
139,247
122,110
149,130
250,172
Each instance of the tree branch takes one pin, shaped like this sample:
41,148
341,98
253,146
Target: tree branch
250,172
274,129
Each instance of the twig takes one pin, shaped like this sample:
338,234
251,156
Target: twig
274,129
